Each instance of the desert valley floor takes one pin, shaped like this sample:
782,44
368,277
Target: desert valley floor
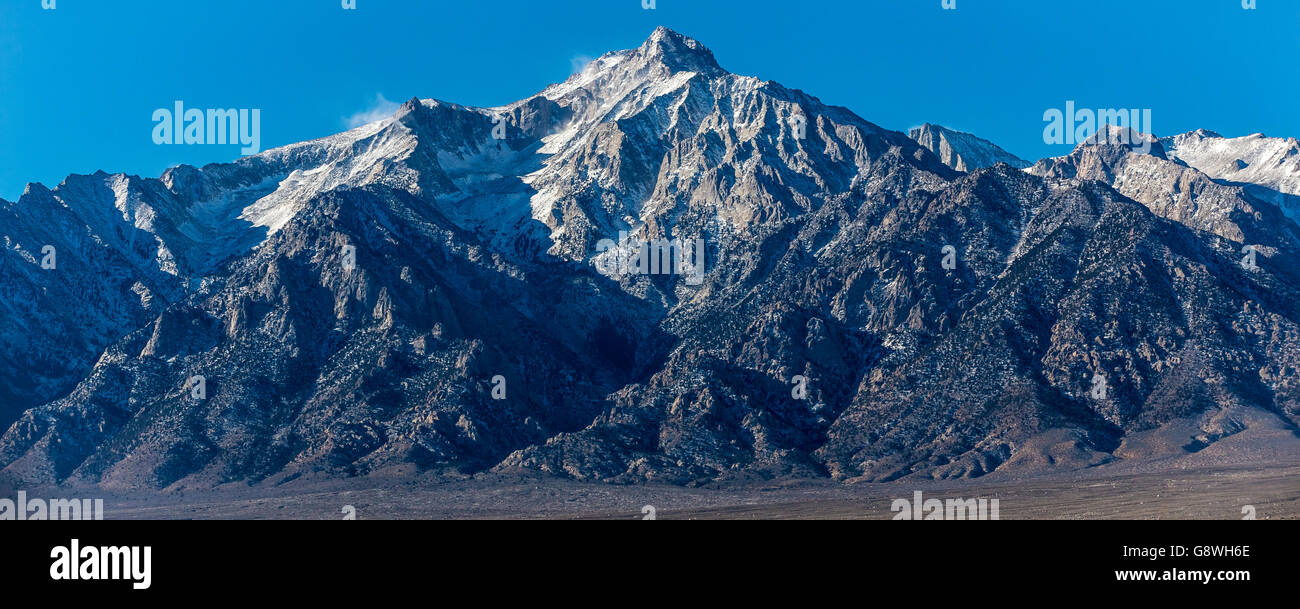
1201,493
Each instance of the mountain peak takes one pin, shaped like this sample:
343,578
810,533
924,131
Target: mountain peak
35,189
407,107
1125,138
610,77
1270,165
678,52
962,151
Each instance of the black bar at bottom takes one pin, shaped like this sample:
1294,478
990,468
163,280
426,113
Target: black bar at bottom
323,558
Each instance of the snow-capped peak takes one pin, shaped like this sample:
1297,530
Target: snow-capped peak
1269,165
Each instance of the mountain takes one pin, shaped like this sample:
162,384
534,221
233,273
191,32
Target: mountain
963,151
654,271
1269,167
81,267
1169,188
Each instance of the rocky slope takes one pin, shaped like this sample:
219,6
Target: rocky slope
435,293
1172,190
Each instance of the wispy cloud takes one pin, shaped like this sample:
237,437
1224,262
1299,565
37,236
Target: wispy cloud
578,62
380,109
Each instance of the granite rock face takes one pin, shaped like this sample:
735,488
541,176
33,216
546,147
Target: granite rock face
963,151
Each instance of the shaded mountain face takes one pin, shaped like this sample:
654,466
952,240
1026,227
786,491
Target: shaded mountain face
82,265
963,151
460,289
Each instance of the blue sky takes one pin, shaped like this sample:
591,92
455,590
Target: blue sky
78,84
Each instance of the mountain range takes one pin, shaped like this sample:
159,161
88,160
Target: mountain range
431,293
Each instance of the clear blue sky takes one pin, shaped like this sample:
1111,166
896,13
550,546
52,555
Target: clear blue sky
78,84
